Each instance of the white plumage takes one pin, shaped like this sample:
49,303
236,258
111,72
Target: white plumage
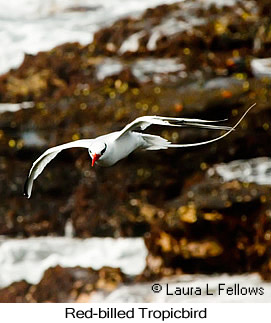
108,149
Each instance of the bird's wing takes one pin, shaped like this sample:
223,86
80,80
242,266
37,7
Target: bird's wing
144,122
39,165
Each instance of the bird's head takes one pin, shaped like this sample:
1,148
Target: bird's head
96,151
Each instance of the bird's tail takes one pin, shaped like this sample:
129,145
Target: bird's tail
156,142
152,142
215,139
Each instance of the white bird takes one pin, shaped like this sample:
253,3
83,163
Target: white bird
108,149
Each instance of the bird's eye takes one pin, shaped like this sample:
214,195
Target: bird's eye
103,151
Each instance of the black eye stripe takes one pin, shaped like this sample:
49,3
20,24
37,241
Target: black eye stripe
103,151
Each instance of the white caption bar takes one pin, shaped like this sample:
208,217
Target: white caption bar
148,312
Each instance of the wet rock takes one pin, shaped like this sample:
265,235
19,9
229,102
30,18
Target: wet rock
162,194
70,188
110,278
60,285
212,227
197,33
15,293
216,41
18,216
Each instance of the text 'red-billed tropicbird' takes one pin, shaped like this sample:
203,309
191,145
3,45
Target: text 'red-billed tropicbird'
108,149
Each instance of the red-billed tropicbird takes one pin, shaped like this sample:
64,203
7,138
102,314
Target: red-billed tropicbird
108,149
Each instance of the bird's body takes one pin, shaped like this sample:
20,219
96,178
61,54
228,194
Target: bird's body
108,149
117,149
120,147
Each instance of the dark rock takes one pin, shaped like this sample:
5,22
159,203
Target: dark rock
15,293
147,192
62,285
212,227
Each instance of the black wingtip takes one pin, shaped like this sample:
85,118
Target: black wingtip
25,189
26,195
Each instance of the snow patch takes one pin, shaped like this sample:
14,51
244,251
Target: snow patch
256,170
29,258
13,107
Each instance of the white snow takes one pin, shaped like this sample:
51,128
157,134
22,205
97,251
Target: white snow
255,170
12,107
144,69
261,67
29,26
29,258
131,44
147,69
108,67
